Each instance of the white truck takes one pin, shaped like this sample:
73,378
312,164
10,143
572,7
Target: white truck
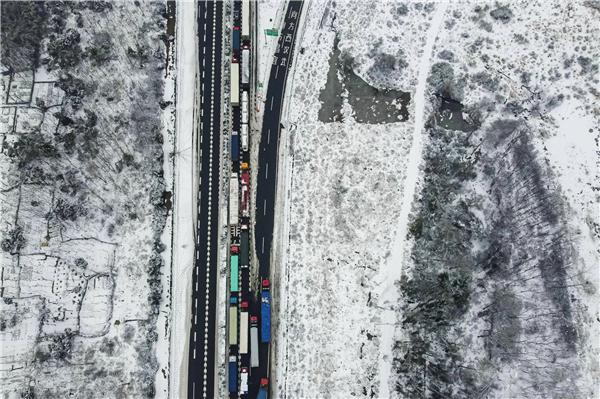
235,84
244,381
244,328
253,341
245,66
245,19
245,107
234,200
245,137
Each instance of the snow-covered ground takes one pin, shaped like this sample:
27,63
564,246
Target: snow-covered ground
85,257
388,291
349,187
185,196
344,203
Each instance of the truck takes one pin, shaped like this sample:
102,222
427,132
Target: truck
245,107
245,193
245,19
235,40
265,312
244,137
263,391
254,341
234,278
233,320
235,146
245,66
233,378
244,247
234,205
244,328
235,83
244,381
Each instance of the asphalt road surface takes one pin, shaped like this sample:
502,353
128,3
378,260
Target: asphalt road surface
201,370
267,166
267,161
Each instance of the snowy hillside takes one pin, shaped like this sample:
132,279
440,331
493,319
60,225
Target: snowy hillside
441,220
84,177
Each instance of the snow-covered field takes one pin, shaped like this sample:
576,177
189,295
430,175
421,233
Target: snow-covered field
351,185
344,206
86,196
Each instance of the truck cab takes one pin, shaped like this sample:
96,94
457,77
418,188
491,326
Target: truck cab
263,391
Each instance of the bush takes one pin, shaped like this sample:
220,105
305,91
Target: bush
22,27
502,13
101,49
68,211
64,50
30,148
14,242
443,82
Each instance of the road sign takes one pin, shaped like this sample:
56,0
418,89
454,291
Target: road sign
271,32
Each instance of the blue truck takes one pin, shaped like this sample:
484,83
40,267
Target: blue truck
263,391
233,377
235,146
235,40
265,312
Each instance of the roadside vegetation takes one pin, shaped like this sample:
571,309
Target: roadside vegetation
488,287
99,151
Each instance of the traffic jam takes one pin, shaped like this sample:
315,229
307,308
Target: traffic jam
248,321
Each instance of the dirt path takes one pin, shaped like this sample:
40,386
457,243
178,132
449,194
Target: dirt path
393,273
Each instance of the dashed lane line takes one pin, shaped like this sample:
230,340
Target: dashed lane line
210,174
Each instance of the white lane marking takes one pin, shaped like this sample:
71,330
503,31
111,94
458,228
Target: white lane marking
267,172
210,191
263,245
268,136
277,71
272,98
265,207
194,354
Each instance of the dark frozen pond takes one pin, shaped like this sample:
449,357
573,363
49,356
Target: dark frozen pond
369,104
450,116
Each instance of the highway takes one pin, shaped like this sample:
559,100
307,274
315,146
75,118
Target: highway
201,370
268,151
267,165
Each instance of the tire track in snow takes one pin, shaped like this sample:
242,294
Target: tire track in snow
393,272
